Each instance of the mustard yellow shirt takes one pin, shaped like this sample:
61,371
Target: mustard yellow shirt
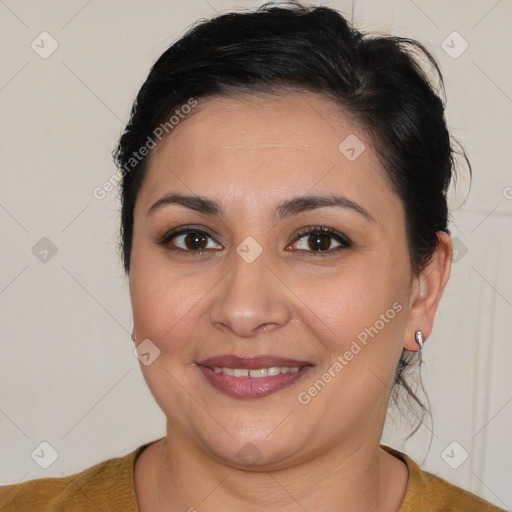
109,486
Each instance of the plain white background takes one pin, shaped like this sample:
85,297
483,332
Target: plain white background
68,375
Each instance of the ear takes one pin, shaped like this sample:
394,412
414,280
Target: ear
426,291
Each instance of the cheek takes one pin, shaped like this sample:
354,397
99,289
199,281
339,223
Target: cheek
167,302
342,306
357,319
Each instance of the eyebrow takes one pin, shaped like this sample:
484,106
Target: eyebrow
284,209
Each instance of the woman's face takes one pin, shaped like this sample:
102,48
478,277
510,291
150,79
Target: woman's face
229,261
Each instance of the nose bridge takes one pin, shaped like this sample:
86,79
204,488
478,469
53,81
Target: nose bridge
251,296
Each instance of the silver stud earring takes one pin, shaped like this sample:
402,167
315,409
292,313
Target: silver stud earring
418,336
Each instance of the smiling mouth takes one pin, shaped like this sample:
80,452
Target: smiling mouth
255,377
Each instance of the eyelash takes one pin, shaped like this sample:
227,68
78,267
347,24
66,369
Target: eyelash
343,240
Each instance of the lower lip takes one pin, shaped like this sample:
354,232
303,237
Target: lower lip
251,387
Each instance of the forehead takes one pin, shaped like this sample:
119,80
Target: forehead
293,121
261,146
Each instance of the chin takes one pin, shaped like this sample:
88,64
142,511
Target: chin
261,447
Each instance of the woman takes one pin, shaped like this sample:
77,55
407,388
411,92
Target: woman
284,230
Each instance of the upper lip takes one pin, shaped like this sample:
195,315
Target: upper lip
251,363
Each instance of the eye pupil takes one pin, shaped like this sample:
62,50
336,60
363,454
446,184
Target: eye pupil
195,241
319,242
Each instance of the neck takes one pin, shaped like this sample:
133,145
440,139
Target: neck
346,477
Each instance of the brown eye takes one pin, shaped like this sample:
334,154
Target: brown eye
195,241
321,240
190,241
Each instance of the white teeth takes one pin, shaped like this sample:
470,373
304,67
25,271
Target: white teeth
259,372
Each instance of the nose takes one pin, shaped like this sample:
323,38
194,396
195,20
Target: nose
250,300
